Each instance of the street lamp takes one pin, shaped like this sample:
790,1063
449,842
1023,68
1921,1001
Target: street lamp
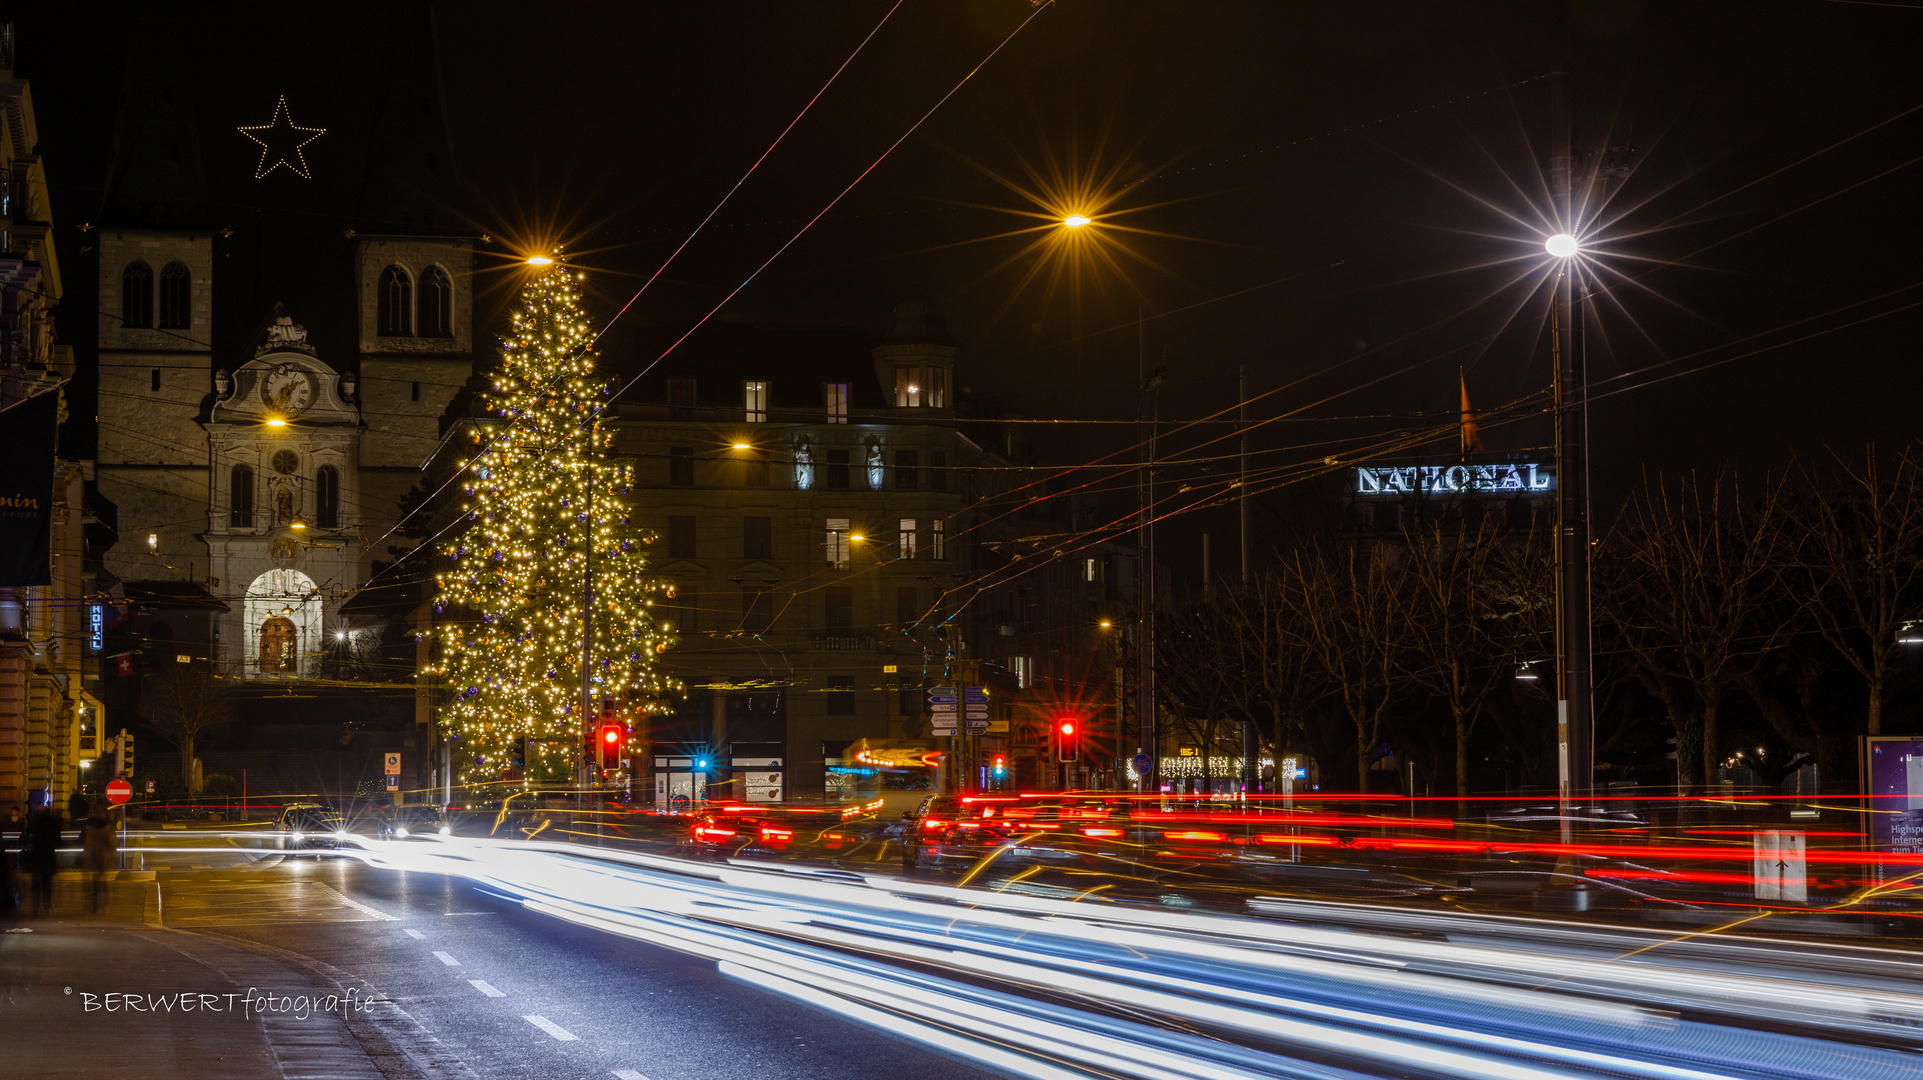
539,260
1075,221
1562,245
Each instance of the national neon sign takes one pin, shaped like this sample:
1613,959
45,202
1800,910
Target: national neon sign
1505,479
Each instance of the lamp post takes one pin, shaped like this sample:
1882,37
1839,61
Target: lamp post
1574,721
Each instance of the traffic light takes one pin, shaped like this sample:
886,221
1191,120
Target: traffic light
1001,766
1068,743
608,742
124,754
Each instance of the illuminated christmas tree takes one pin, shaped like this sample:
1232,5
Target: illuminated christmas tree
549,535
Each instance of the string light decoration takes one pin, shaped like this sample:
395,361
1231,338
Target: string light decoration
550,535
281,139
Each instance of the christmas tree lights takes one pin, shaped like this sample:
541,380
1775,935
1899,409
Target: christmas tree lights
550,540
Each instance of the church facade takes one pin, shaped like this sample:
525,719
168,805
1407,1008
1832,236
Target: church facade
271,480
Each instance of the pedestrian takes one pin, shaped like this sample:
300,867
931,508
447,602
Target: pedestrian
78,806
100,848
44,830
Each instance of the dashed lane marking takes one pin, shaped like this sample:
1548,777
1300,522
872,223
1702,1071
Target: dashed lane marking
415,934
560,1033
446,959
484,987
628,1074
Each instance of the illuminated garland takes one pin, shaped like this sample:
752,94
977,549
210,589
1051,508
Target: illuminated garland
509,592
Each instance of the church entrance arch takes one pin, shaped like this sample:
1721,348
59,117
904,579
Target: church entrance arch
283,625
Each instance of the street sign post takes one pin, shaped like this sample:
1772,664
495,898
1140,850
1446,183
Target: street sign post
119,791
977,725
393,766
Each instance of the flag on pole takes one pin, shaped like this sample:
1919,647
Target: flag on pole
1471,438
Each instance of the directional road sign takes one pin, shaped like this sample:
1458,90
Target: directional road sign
976,695
978,725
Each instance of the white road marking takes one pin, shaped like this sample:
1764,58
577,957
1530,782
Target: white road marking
446,959
356,904
560,1033
483,986
415,934
628,1074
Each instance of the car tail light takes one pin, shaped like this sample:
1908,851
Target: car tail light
1211,837
771,833
1101,832
933,823
707,833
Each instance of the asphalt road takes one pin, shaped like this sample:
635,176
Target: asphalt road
501,992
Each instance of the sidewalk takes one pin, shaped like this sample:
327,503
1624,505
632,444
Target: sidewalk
112,995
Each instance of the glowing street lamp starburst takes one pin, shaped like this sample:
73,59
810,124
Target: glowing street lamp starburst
1562,246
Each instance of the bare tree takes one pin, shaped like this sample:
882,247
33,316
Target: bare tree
1452,610
1690,576
188,702
1352,629
1867,554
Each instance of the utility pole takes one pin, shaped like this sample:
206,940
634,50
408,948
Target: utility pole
1150,737
1575,725
1242,503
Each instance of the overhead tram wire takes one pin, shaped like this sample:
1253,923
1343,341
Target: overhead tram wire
716,209
598,409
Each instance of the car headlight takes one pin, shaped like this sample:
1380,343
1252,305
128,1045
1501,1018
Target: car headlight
298,837
402,833
445,831
340,834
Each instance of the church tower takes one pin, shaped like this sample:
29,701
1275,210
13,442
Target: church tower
156,249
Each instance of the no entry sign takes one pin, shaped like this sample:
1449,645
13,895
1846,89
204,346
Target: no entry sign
119,791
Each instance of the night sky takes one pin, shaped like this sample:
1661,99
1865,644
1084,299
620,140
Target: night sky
1348,169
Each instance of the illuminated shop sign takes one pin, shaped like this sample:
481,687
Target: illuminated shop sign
1505,479
96,626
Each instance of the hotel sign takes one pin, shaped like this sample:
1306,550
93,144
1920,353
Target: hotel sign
1503,479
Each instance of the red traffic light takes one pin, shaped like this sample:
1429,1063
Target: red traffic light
611,735
1068,727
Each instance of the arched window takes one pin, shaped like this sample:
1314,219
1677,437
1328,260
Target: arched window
137,295
437,304
176,297
240,498
395,303
327,497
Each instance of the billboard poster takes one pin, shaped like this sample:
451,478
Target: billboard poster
26,489
1893,783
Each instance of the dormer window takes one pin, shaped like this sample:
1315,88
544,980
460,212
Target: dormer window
907,386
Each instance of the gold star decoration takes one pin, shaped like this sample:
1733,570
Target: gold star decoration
280,142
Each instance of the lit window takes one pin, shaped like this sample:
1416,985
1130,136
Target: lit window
837,543
907,386
937,539
905,546
837,399
755,401
1092,570
1024,669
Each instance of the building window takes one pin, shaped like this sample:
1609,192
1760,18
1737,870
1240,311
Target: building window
1092,570
837,395
837,546
835,474
437,304
176,297
757,610
137,295
839,613
754,468
937,539
907,605
907,386
937,395
240,497
686,618
841,695
910,695
1024,670
154,380
938,470
681,466
905,546
681,399
907,470
681,536
755,401
394,303
327,497
757,538
414,391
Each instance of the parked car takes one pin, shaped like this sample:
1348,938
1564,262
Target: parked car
309,825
